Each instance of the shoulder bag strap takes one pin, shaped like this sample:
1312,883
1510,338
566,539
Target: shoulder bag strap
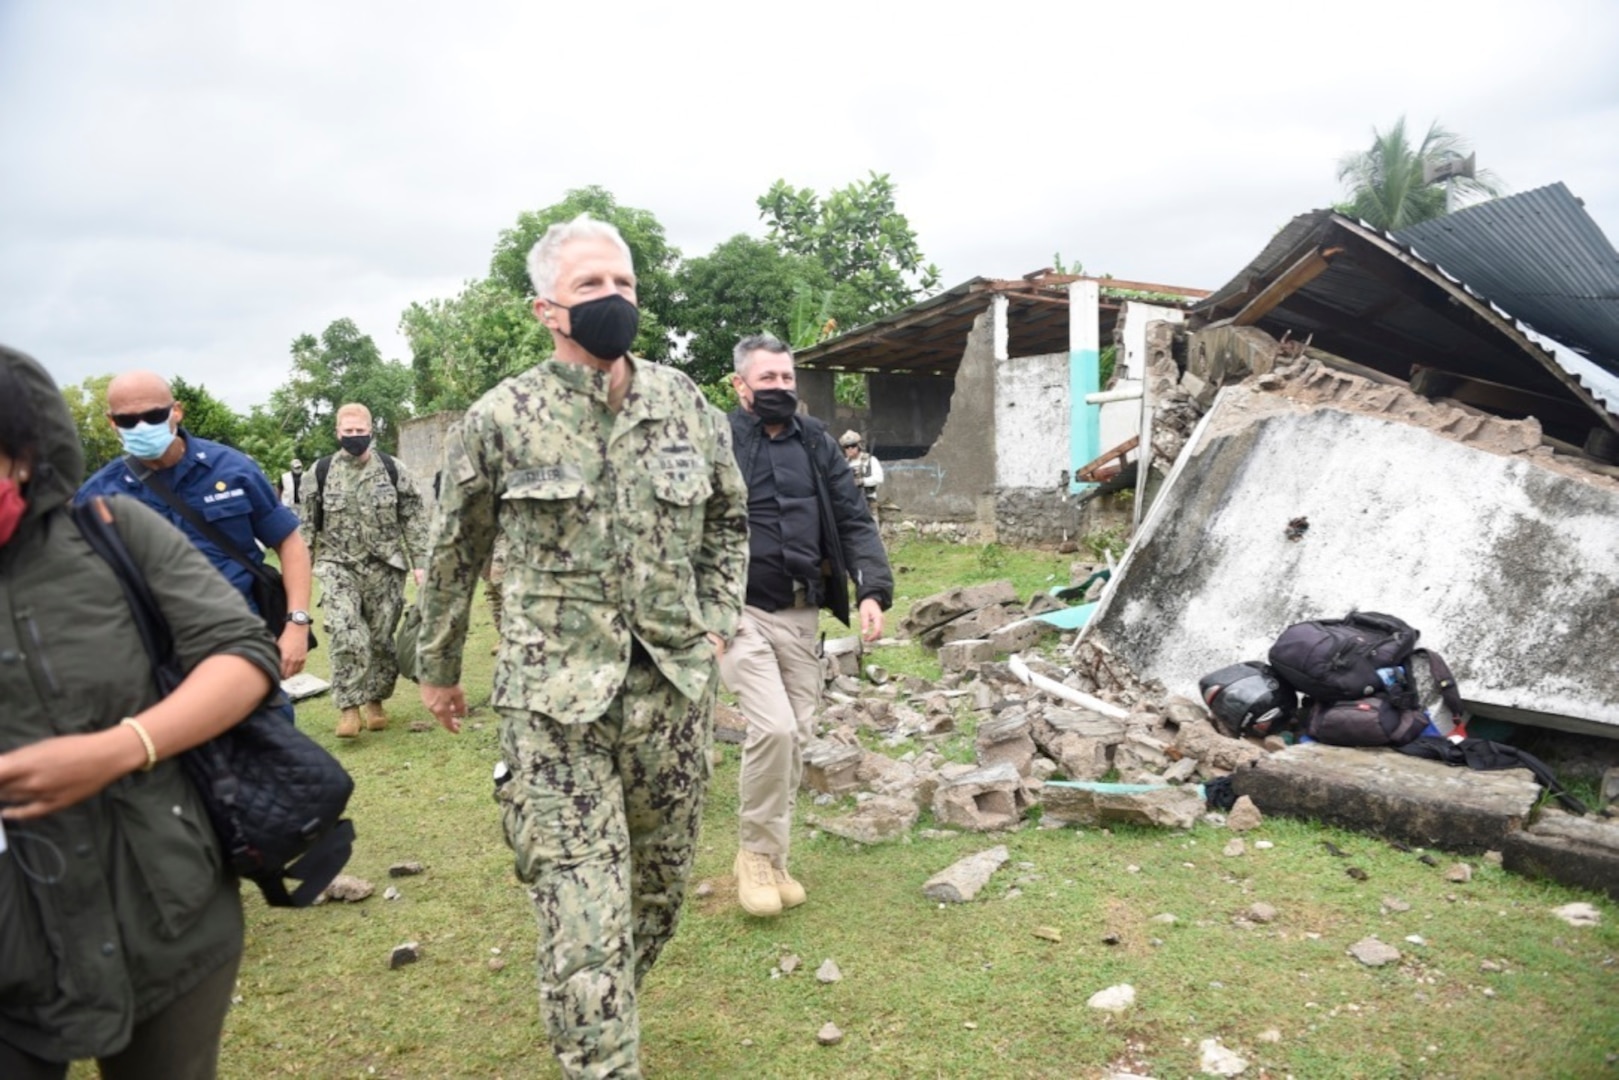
160,487
95,522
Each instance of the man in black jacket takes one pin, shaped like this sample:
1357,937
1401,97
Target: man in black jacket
809,534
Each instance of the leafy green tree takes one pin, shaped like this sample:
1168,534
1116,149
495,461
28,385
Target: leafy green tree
88,404
1385,181
460,348
205,415
859,237
265,437
341,365
655,260
744,286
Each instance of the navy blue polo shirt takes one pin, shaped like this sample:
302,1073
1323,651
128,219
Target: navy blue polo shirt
225,487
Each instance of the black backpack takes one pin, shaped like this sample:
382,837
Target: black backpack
274,796
1356,674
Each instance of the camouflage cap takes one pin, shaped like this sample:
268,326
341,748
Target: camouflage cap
849,438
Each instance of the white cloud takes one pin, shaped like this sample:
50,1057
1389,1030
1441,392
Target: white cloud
190,185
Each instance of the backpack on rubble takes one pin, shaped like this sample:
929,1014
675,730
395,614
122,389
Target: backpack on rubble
1248,699
1356,675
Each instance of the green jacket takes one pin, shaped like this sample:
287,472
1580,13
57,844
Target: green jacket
620,526
112,908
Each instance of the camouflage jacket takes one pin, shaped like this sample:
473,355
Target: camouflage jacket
364,515
618,526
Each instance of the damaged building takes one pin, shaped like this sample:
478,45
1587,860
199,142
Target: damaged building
983,400
1424,423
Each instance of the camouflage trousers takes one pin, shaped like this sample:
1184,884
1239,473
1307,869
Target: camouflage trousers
362,605
602,818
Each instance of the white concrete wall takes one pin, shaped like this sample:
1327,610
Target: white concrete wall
1132,363
1509,568
1031,421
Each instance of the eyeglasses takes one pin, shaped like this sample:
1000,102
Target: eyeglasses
128,420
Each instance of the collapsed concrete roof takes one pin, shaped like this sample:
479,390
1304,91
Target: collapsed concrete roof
1308,492
1365,295
927,338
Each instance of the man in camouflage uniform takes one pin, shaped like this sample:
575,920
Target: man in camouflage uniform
366,530
613,483
868,471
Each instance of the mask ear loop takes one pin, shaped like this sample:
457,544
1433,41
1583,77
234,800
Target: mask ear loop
23,864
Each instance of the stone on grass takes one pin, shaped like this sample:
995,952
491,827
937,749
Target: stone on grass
1048,933
406,869
789,963
497,963
879,818
1244,816
1261,912
964,879
1394,903
1167,807
828,971
1216,1060
830,767
829,1035
1113,999
391,893
1374,953
408,953
1461,873
348,888
1234,848
1580,914
703,890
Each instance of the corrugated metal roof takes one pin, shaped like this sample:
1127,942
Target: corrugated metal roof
1538,255
1361,309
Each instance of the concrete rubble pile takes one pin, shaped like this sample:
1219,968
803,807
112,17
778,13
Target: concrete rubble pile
1030,749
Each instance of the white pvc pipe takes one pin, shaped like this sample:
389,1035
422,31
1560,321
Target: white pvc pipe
1066,693
1102,397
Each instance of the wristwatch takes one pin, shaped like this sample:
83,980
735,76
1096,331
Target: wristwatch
299,618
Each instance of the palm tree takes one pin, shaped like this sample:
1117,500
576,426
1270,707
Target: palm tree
1385,182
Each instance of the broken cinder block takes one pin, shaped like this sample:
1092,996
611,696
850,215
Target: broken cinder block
981,800
961,655
832,768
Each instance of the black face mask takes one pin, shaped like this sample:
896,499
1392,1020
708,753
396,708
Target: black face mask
775,406
604,327
355,444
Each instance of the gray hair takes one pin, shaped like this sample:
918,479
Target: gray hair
546,254
752,344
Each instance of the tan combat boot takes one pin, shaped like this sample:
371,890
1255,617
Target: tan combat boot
791,892
348,723
756,884
375,718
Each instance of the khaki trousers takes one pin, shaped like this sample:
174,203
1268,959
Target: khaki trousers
772,669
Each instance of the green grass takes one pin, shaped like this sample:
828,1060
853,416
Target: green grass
959,991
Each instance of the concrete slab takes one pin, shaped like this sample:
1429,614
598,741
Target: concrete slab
1578,851
1390,794
1464,526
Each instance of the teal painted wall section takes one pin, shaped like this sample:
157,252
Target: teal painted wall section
1085,421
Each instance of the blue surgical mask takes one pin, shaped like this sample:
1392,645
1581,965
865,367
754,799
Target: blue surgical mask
148,442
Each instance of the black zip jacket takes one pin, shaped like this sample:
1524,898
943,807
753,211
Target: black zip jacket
849,537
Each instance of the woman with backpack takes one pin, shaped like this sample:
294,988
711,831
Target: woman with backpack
120,928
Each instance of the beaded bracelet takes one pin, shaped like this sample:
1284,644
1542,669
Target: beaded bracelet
146,741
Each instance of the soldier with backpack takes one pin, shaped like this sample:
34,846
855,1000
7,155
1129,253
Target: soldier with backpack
364,522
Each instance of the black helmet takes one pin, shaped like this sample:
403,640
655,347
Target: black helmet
1248,699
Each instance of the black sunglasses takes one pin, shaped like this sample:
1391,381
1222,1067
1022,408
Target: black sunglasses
128,420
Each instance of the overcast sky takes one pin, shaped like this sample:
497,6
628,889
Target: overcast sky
188,185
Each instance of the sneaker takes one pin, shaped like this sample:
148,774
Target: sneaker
756,884
791,892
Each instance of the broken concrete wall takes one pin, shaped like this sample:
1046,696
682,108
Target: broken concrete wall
1462,524
421,448
954,479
